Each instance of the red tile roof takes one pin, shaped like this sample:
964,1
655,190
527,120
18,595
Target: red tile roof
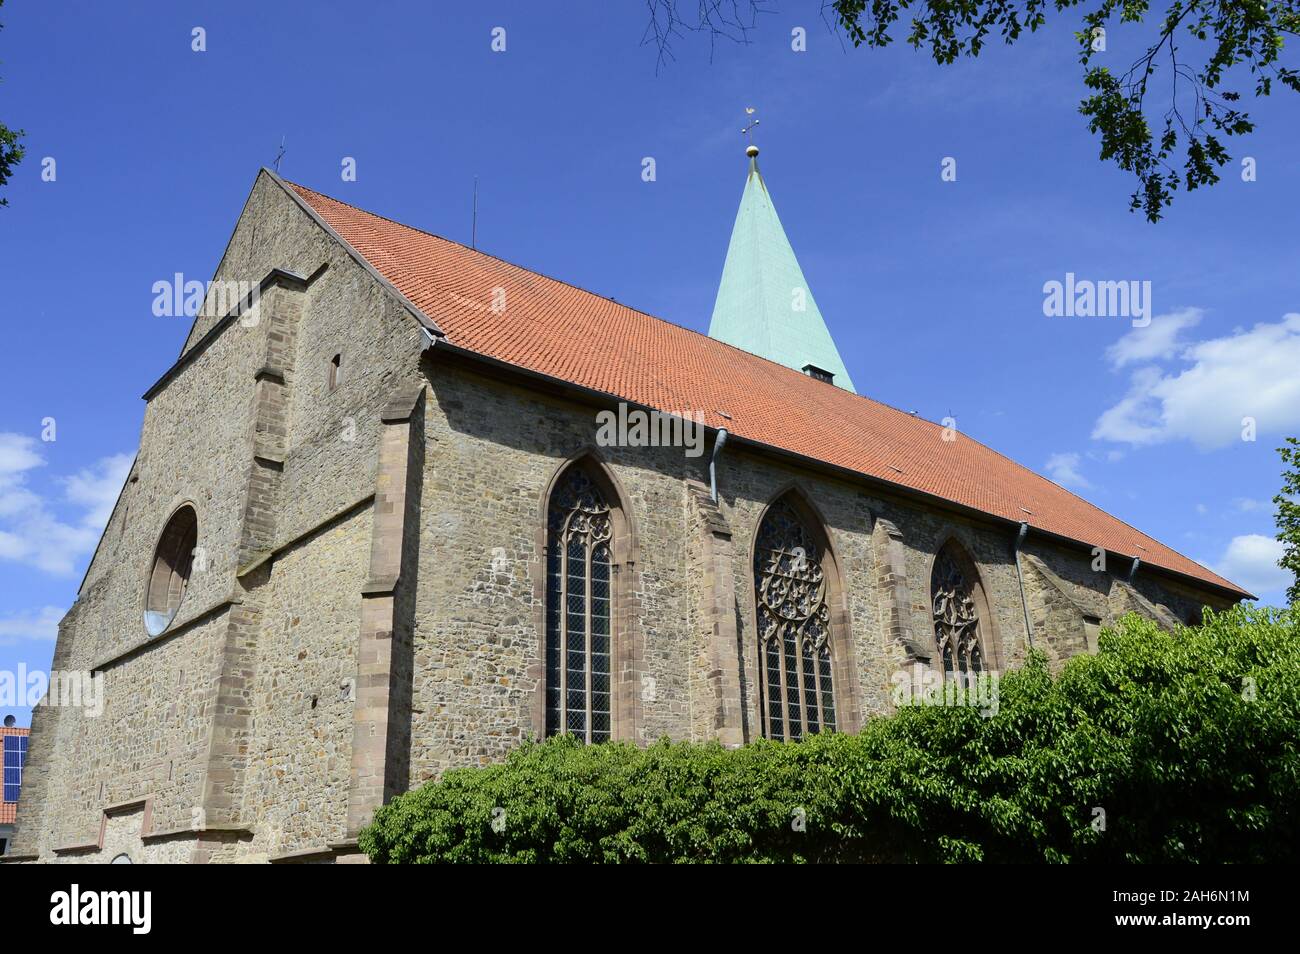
564,332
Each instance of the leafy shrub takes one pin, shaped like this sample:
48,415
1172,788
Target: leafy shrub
1161,748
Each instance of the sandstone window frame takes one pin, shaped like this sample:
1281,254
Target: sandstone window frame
625,654
843,664
169,571
986,638
1091,632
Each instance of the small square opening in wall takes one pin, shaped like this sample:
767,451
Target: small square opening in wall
336,371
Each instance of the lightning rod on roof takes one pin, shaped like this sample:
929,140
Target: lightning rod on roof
473,228
748,132
279,155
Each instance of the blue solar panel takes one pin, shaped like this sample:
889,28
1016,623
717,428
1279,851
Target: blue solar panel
15,754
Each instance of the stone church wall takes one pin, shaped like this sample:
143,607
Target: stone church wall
150,739
491,451
155,736
851,515
333,435
305,689
153,729
494,447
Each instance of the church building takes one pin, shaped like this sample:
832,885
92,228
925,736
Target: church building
370,535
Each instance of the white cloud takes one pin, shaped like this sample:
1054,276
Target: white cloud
1251,561
1247,504
17,454
1202,509
1064,469
97,487
33,529
1247,374
1133,420
43,624
1157,341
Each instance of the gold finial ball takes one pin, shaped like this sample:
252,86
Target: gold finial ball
752,151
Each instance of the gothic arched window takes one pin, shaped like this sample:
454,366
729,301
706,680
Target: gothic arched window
956,617
578,586
793,627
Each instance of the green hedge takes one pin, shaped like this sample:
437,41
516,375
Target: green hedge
1187,744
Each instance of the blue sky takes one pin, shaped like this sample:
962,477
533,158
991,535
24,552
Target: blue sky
932,289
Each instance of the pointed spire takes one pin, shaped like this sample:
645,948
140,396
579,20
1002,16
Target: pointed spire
764,305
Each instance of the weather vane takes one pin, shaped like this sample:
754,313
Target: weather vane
748,131
279,155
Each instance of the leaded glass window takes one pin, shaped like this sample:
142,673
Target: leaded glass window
793,628
578,610
956,619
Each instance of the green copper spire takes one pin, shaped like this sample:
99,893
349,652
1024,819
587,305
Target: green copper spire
764,305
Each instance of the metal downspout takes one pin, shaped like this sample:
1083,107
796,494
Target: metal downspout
713,461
